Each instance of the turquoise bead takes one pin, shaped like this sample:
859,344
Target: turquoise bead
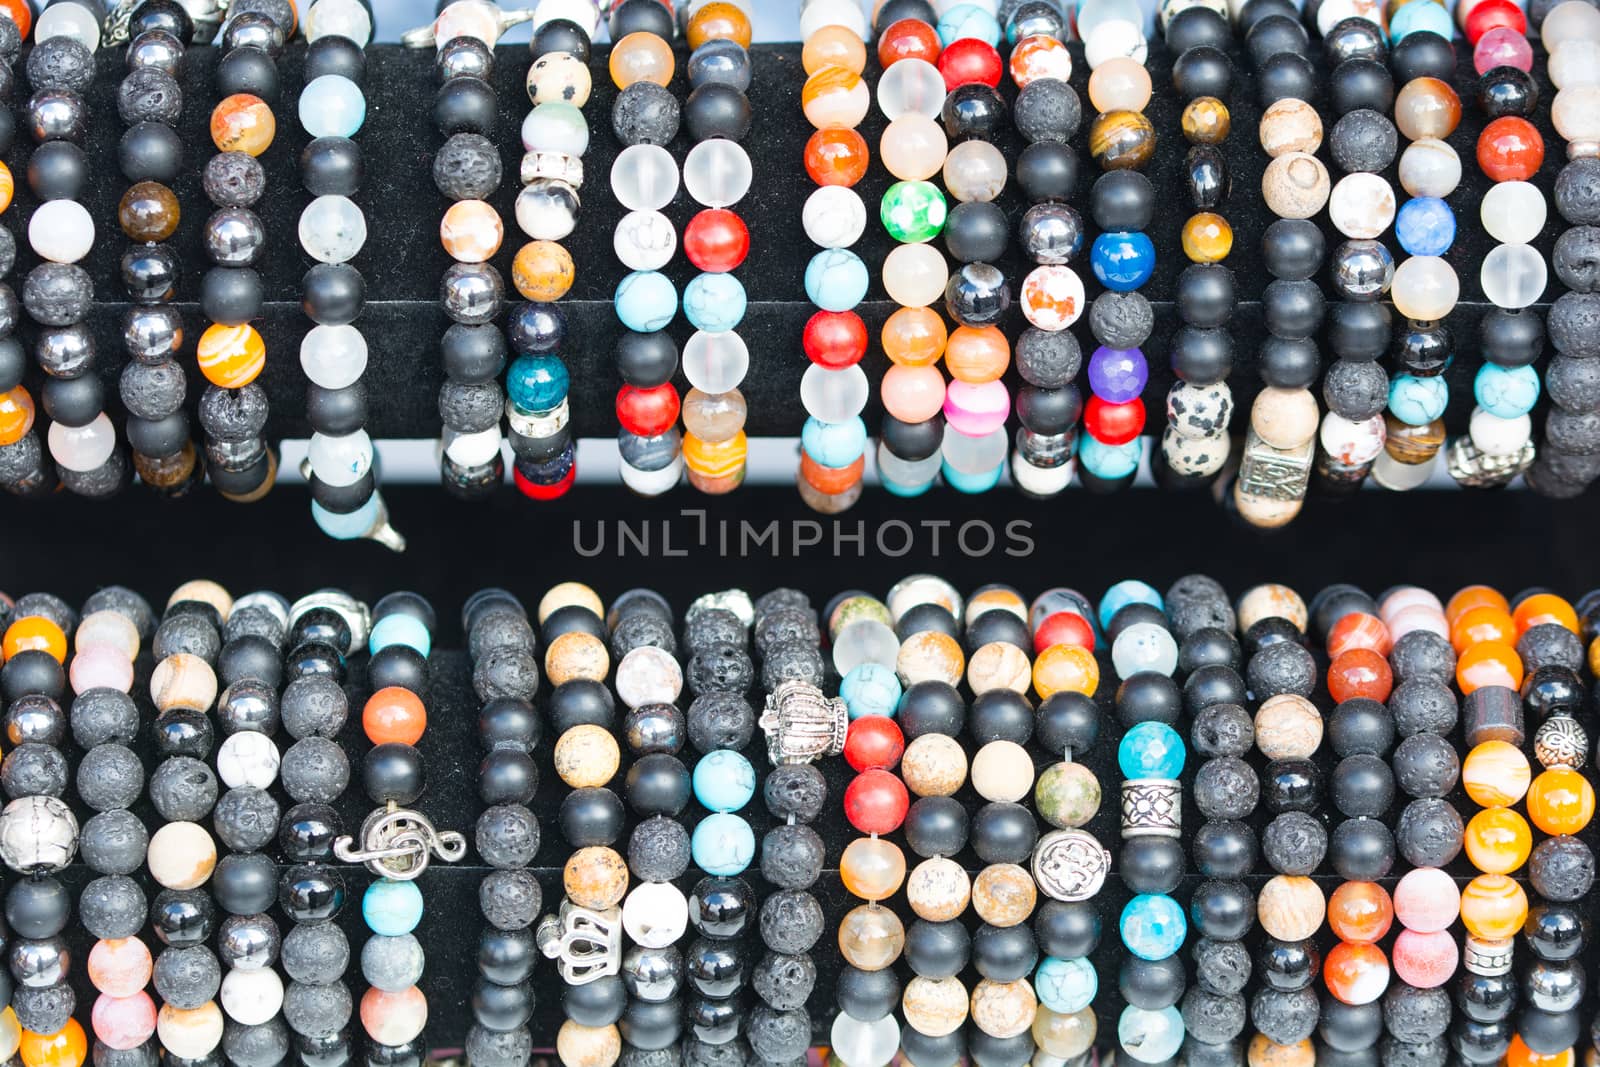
1066,986
1420,16
968,482
399,629
906,490
1153,926
1123,260
968,20
1128,591
391,908
350,526
836,279
724,780
1151,750
646,301
722,844
1109,461
1150,1036
1418,401
1506,392
834,444
871,689
714,303
332,106
537,383
1425,226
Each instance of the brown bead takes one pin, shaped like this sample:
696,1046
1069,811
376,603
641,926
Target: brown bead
935,1006
1119,140
595,877
1268,1053
1412,444
148,212
1291,908
938,890
1206,120
1004,1009
871,937
1003,894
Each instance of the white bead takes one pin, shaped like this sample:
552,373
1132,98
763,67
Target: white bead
83,448
834,395
648,675
863,1044
1513,276
975,455
339,18
1195,457
715,362
181,855
655,914
1495,436
1399,477
252,997
644,240
822,13
68,20
1115,39
61,231
333,229
653,483
1352,443
1361,205
191,1034
333,357
834,216
717,172
1333,12
551,127
467,18
1575,63
915,275
1576,113
1513,212
582,12
1429,167
542,216
1040,481
911,86
342,460
37,833
472,449
644,177
1144,646
247,758
1569,22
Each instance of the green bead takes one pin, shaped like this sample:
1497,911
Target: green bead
1067,795
913,212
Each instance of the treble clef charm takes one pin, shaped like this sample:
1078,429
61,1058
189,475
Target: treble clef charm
397,842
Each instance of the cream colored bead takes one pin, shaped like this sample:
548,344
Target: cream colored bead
1002,772
181,855
1284,418
1295,185
1288,726
1290,125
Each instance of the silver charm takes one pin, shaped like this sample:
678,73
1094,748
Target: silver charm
586,944
1476,469
1274,473
1151,807
1484,956
557,166
1561,742
396,843
355,613
803,725
207,16
467,18
1070,865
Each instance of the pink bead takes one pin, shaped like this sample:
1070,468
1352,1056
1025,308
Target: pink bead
119,968
1425,960
1502,47
1410,619
1426,900
913,394
976,410
101,667
124,1022
1407,596
393,1018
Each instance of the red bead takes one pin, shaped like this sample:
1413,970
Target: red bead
835,339
1490,14
1063,628
647,412
536,491
1510,149
716,240
873,741
908,39
970,60
837,156
875,801
1360,672
1359,630
1113,424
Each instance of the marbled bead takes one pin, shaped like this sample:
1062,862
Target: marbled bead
1152,926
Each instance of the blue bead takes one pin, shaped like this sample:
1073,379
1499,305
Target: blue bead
1506,392
905,490
1123,260
836,279
537,383
646,301
391,908
399,629
714,303
1425,226
1419,16
1150,1035
967,482
834,444
1151,750
724,780
968,20
1109,461
349,526
1066,986
1152,926
1418,401
871,689
722,844
1128,591
332,106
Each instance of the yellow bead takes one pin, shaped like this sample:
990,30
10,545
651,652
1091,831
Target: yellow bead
1207,238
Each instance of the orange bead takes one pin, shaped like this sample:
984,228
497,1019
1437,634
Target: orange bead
977,355
908,39
243,123
837,157
641,56
1477,625
1561,801
716,466
1473,596
1360,912
394,714
831,480
8,187
67,1047
1498,840
16,415
1065,669
831,46
231,357
835,97
20,13
1356,973
1543,608
1489,663
1510,149
1496,774
1493,907
914,337
35,633
1359,630
1520,1055
1360,672
722,21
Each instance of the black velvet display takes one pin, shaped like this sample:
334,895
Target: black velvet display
403,261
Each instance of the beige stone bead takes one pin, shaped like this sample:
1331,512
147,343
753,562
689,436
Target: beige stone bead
108,628
181,855
205,591
1290,907
1288,726
930,656
1065,1035
183,680
934,765
587,756
1002,771
999,665
938,889
1271,600
1295,185
648,675
1290,125
1003,894
595,877
1284,418
1425,288
992,597
1003,1009
567,594
1266,513
871,937
190,1033
588,1046
576,655
935,1006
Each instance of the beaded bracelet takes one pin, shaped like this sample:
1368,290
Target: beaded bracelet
834,100
23,471
644,179
152,384
1566,463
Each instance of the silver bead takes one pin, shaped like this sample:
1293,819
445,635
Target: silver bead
653,974
1274,473
1070,865
248,942
41,963
1484,956
1560,741
1151,807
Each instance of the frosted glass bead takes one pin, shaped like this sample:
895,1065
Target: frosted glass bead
1575,64
907,472
247,758
68,20
1576,113
339,18
332,106
1569,22
913,147
1495,436
1120,85
862,1044
975,171
83,448
846,13
715,362
1425,287
1513,212
585,13
911,86
834,395
1513,276
865,641
714,302
975,454
717,172
554,127
333,357
1091,13
834,216
1144,647
644,240
332,229
915,275
644,177
472,449
1115,39
61,231
1429,167
1361,205
340,460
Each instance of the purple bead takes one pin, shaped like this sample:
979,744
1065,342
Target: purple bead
1117,375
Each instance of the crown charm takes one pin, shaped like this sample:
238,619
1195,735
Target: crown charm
802,725
586,944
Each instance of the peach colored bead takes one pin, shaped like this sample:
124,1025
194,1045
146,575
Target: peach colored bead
1408,596
641,56
833,46
1120,84
1496,774
1425,960
977,355
124,1022
914,337
102,667
471,231
393,1018
107,628
1409,620
120,967
913,394
1359,630
1426,900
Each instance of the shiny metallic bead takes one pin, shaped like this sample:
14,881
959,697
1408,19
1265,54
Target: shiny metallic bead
157,49
1362,269
252,29
41,963
557,166
248,942
653,974
234,237
1070,865
1485,956
1151,807
1561,742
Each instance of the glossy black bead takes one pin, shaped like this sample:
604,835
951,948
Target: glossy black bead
974,110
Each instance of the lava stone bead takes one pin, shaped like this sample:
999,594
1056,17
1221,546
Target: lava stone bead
1562,868
1426,765
1222,730
1285,667
1429,832
510,899
1294,843
1285,1017
645,113
796,789
658,849
791,921
507,836
112,907
1121,320
784,982
792,856
720,720
319,952
1221,967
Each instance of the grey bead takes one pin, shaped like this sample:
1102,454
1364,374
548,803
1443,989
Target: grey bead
497,1048
313,707
633,1056
792,856
1426,765
145,1055
506,672
254,621
658,849
315,770
778,1036
1226,788
50,606
114,842
782,597
1200,1054
392,963
1222,730
471,407
785,982
1423,705
1429,833
1222,967
1048,360
697,1053
720,720
1047,110
246,819
785,626
1573,383
1561,868
188,633
1214,1017
46,1010
1121,320
125,602
1561,476
234,414
1284,1017
61,63
791,921
34,770
507,836
22,462
796,789
1423,654
1364,140
10,41
183,789
1414,1015
645,113
1576,258
711,627
149,94
248,942
110,776
1194,601
39,962
654,975
112,907
315,953
721,669
249,704
642,630
1395,1053
467,167
1573,322
152,390
1294,843
1577,192
1355,390
233,179
103,481
187,977
58,294
1573,432
263,1045
510,900
1550,645
35,718
1286,667
317,1010
793,663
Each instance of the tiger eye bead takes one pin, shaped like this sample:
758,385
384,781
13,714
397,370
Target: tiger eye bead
148,211
1206,120
1207,238
1120,140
